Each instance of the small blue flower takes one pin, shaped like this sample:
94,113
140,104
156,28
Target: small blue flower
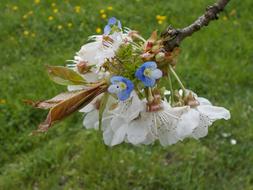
121,86
148,73
107,29
112,23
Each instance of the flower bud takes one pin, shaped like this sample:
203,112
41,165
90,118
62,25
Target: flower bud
82,67
190,100
156,103
160,57
97,104
148,46
147,56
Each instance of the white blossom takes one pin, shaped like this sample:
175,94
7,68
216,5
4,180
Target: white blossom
195,122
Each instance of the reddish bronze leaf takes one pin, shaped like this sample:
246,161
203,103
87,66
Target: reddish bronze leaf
150,42
47,104
64,105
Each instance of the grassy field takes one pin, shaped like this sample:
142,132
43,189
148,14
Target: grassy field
216,63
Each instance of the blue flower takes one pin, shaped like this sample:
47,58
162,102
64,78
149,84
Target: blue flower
148,73
112,24
121,86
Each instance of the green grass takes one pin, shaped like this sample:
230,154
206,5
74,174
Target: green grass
215,62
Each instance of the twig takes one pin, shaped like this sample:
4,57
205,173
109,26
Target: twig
173,37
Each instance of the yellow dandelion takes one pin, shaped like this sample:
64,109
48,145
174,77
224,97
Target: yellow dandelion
160,21
103,16
77,9
109,8
158,17
225,18
25,17
98,30
30,13
26,33
102,11
33,35
2,101
55,10
233,12
235,22
69,24
15,8
59,27
53,4
162,17
50,18
36,1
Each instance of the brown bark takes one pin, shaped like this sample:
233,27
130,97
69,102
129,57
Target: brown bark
173,37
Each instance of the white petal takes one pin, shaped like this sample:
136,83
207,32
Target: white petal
90,107
167,92
137,130
214,112
167,138
103,55
90,119
202,129
167,133
88,52
114,89
181,92
208,114
166,127
203,101
119,135
150,138
90,77
106,122
187,123
116,122
115,133
175,111
108,136
78,59
129,109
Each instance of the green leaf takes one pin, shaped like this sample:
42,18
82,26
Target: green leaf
65,76
102,106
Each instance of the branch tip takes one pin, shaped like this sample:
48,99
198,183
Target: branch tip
173,37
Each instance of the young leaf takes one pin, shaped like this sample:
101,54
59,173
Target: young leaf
47,104
65,76
71,104
150,42
102,106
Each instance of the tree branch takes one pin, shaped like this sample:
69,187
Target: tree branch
173,37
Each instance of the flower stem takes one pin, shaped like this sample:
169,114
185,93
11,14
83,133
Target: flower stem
140,95
150,95
171,90
177,78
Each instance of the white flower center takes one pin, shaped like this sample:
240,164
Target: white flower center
118,87
148,72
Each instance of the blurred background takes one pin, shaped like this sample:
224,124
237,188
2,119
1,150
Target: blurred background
215,62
